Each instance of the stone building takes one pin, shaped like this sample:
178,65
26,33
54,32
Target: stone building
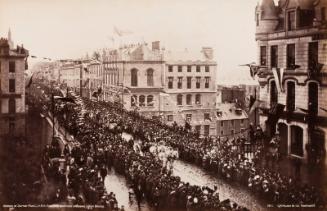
160,84
231,121
292,42
12,88
190,83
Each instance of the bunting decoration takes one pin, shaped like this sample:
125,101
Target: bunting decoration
255,105
278,76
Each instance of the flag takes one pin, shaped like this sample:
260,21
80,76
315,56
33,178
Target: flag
255,105
85,68
278,76
30,81
275,112
254,69
86,82
120,32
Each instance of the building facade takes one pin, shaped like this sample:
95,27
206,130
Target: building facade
232,121
12,88
292,41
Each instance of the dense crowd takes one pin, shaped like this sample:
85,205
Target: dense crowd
102,145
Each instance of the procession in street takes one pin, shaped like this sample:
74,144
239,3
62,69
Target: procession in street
99,118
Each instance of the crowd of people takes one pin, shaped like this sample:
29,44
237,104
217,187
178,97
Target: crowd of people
101,145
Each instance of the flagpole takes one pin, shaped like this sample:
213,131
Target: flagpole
53,115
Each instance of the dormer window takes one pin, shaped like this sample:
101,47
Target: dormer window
291,24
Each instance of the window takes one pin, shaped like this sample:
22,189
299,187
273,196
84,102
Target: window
242,121
263,55
133,100
198,82
206,83
291,20
149,74
188,117
149,100
142,101
206,116
198,68
232,123
257,19
189,68
12,66
180,68
198,129
189,82
170,68
313,98
274,56
232,132
12,105
134,77
170,82
221,132
273,93
11,128
12,86
207,69
290,56
206,130
290,103
189,99
296,140
179,99
313,56
323,13
198,98
180,82
222,124
306,17
170,118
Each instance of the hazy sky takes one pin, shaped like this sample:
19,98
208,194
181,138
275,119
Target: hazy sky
69,28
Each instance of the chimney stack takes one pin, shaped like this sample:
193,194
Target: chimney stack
156,45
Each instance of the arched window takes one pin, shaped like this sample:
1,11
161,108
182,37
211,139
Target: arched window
198,99
133,100
142,100
149,100
179,99
313,98
290,102
149,74
189,99
273,93
134,77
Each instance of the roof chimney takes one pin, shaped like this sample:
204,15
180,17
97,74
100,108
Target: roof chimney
156,45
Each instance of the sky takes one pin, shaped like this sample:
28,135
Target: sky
61,29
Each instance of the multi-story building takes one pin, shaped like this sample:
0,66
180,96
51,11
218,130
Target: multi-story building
232,121
12,88
133,75
291,38
190,82
159,83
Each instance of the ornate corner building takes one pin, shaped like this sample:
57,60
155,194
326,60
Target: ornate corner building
292,47
12,88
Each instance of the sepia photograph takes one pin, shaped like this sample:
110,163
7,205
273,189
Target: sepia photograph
163,105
